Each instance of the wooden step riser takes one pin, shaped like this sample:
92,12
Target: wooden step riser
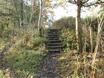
53,44
50,41
53,35
56,34
53,32
54,51
54,48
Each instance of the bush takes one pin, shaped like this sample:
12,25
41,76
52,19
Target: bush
24,61
68,37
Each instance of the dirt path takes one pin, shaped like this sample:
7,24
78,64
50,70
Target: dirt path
49,67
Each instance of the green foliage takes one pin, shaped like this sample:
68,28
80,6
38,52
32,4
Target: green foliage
90,21
68,37
66,22
38,41
18,22
2,75
26,60
2,43
67,26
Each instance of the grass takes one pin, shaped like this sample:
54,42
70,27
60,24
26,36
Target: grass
73,65
24,63
2,75
25,58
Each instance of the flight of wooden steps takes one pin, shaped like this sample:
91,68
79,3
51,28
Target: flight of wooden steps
53,44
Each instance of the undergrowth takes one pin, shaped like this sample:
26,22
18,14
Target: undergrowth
74,65
24,58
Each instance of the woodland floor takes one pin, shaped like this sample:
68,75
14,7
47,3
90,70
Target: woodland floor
49,66
70,65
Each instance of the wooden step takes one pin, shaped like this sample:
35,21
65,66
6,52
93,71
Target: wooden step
54,41
53,35
54,47
54,44
54,50
53,29
52,38
53,32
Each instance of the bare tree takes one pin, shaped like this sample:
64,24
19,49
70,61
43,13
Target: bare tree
98,40
40,16
22,13
80,4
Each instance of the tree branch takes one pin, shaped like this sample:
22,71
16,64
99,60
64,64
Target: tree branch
92,4
83,2
73,2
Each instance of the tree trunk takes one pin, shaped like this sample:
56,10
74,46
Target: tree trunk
91,38
78,28
39,20
22,14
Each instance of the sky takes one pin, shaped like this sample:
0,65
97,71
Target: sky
70,10
62,12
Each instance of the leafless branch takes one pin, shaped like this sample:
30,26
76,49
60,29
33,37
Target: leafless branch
83,2
71,1
75,1
92,4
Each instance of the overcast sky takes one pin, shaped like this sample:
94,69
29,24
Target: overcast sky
70,10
